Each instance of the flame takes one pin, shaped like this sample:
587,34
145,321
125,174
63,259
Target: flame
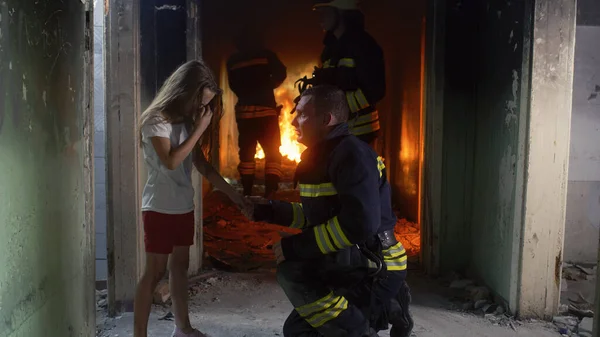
284,95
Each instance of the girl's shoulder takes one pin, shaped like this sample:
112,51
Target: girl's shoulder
156,126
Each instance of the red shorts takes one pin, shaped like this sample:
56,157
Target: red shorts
162,231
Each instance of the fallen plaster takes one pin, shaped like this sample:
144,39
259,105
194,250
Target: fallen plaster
252,304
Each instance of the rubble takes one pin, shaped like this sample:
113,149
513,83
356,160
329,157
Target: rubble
234,243
101,299
478,300
585,327
576,272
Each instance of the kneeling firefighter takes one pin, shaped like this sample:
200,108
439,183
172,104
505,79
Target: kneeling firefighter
353,61
254,72
342,270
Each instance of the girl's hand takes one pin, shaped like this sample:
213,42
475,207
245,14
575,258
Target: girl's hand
203,118
245,205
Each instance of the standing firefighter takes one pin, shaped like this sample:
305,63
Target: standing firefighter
353,61
254,72
342,270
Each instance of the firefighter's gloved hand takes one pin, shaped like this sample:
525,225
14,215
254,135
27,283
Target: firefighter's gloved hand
263,210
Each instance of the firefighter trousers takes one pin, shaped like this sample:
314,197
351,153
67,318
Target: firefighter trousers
265,131
319,291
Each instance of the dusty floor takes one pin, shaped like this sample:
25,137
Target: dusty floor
252,305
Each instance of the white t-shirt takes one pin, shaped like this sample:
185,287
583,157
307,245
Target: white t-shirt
166,191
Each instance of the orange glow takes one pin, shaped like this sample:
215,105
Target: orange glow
284,95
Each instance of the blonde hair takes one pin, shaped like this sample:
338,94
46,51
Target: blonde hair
179,98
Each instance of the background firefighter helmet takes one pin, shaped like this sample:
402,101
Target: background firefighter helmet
339,4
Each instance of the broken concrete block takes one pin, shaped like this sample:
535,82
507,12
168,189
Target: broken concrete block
500,310
479,293
564,286
586,326
569,322
480,304
461,284
489,308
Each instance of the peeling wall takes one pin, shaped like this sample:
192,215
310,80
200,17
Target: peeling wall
545,182
583,199
497,146
46,231
458,124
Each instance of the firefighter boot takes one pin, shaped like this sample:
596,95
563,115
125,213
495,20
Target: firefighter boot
247,183
271,185
400,317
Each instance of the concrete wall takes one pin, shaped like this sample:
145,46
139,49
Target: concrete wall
583,199
99,143
496,142
46,231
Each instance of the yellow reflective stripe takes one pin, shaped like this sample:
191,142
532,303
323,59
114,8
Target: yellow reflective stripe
361,99
394,251
337,234
320,304
380,166
352,101
298,220
323,241
363,119
346,62
397,263
364,129
329,314
317,190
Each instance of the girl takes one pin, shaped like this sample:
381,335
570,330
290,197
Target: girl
182,119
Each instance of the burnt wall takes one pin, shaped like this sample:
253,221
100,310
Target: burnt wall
399,27
163,43
484,75
501,114
458,125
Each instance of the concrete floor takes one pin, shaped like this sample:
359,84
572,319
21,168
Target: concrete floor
252,305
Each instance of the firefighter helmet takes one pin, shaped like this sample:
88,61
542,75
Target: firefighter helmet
339,4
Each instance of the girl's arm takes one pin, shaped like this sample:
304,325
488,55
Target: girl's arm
209,172
173,157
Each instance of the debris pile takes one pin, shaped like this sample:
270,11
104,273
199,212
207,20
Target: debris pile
409,233
234,243
101,299
576,311
467,296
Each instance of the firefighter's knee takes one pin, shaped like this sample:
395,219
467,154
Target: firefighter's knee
288,273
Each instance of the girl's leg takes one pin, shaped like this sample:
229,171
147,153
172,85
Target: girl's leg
178,285
156,265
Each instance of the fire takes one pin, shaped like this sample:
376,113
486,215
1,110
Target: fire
285,95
